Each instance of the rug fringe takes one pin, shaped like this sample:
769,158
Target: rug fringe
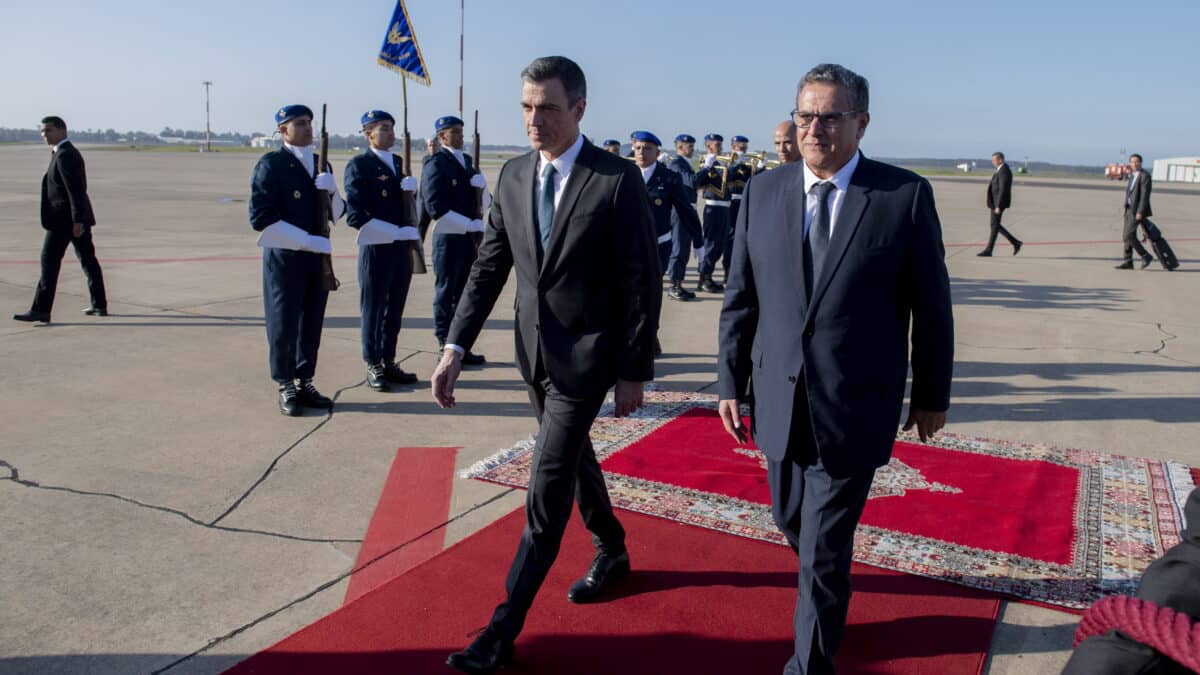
490,463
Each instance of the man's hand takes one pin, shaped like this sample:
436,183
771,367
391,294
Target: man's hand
928,422
444,377
1138,216
77,230
325,181
628,397
997,211
731,417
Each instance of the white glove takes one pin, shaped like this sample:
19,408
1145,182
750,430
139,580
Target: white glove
478,181
408,184
325,181
475,226
709,160
487,201
699,252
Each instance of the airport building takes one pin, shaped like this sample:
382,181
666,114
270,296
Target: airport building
1177,170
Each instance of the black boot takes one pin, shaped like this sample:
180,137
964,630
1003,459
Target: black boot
289,400
709,286
396,375
376,378
678,292
485,655
310,397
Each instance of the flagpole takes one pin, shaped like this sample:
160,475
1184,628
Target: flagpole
407,138
462,26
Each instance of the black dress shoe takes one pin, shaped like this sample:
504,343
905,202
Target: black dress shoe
96,311
985,253
1017,247
473,359
289,400
605,572
1146,261
311,398
710,286
678,292
395,375
376,378
485,655
40,317
1127,265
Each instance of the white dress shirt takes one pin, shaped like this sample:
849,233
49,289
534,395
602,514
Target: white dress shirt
648,171
386,156
305,155
458,154
58,145
562,167
840,180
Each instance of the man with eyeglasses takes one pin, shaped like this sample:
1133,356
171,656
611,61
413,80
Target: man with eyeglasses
826,346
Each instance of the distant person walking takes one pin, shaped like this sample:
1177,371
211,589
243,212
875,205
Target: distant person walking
1138,212
68,220
999,198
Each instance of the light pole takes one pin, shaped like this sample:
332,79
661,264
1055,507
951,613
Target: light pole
207,126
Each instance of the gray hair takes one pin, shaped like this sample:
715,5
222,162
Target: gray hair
832,73
558,68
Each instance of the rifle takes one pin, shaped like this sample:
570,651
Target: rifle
416,251
325,211
479,169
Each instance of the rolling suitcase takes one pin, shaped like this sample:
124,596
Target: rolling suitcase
1162,249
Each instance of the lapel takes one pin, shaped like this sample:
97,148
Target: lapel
848,220
793,203
527,176
580,173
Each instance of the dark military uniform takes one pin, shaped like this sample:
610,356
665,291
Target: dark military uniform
374,192
717,224
682,238
738,175
446,187
670,199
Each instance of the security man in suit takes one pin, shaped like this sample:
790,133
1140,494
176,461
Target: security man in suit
612,145
571,225
682,238
378,208
999,198
448,182
1137,209
67,219
739,173
284,193
714,190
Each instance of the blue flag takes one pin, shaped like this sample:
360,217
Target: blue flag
400,51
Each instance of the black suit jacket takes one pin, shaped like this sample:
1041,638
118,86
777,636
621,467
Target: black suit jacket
1138,199
588,308
999,194
64,191
883,274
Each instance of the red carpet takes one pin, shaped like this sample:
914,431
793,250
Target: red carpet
1052,525
414,502
698,602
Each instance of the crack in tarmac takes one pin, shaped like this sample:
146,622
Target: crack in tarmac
1156,352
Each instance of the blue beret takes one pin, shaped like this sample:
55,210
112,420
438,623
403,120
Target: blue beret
714,137
447,122
610,141
373,116
685,138
290,112
739,139
645,137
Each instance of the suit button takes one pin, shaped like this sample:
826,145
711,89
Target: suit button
792,378
809,332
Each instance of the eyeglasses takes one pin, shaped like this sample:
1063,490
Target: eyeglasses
804,120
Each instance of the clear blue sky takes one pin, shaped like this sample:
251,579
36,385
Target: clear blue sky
1052,80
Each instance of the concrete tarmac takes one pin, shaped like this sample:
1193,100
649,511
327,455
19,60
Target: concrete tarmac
157,513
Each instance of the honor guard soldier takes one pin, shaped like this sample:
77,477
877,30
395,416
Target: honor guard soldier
612,145
682,238
379,208
668,196
711,182
739,173
448,183
284,207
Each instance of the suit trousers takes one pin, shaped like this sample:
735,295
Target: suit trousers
384,274
818,514
998,229
54,247
294,300
564,470
716,232
1130,238
681,248
453,255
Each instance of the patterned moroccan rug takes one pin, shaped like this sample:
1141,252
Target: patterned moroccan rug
1051,525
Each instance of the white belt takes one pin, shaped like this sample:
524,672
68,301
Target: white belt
737,196
716,202
664,238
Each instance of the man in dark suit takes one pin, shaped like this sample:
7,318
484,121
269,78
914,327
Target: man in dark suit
999,198
448,183
68,220
1137,209
377,207
683,239
575,224
835,258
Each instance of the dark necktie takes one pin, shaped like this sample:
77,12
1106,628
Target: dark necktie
546,204
817,241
